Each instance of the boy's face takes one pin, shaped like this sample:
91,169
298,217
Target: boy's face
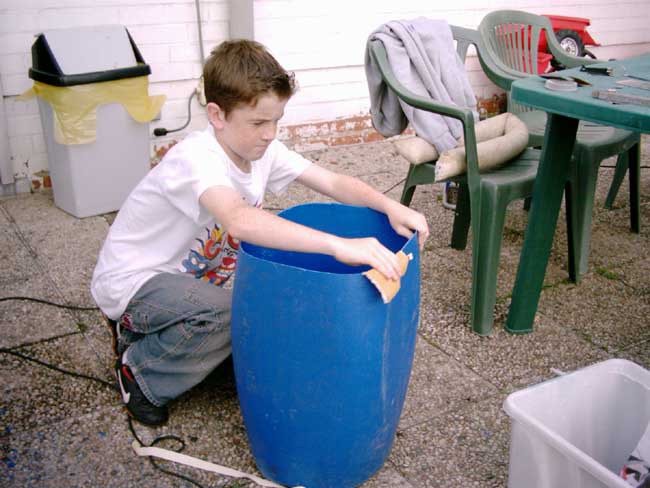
247,131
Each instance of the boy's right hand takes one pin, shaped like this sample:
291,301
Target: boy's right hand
370,251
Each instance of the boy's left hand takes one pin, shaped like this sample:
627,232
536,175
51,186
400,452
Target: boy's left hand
405,221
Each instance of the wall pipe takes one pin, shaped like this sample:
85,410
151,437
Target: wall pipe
6,166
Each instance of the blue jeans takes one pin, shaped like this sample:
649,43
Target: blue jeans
176,330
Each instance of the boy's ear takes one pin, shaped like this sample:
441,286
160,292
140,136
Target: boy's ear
216,116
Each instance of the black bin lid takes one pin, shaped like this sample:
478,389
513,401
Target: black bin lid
46,69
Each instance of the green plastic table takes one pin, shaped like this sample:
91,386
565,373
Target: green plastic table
565,109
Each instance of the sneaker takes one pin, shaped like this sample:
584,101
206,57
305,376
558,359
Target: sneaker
137,405
114,327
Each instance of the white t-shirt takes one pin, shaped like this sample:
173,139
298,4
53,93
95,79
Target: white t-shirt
162,227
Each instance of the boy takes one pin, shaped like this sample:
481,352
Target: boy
177,234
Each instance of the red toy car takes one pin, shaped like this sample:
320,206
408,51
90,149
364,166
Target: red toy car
572,34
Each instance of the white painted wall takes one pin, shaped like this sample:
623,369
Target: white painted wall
322,41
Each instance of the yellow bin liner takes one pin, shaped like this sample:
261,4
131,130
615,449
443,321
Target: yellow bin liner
75,107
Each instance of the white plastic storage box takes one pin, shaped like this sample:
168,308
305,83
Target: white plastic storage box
578,430
95,178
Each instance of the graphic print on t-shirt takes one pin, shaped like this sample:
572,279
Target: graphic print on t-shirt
215,259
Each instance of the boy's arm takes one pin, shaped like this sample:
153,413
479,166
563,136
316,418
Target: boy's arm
353,191
245,222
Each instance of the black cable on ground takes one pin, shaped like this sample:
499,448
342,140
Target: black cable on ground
395,185
47,302
56,368
112,386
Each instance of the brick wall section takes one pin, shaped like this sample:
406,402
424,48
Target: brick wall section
349,130
358,129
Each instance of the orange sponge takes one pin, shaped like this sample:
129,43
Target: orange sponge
388,288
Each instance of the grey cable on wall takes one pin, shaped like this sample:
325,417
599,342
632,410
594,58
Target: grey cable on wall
161,131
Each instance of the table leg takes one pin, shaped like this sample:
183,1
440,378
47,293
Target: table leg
547,199
633,175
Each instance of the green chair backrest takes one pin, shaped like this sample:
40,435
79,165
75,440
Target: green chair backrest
509,48
512,39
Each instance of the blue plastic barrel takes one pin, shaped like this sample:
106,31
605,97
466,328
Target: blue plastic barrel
322,364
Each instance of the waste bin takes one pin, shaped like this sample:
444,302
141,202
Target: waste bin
321,363
92,89
578,430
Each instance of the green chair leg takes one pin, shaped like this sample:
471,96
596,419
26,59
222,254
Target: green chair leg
634,165
462,218
409,187
580,193
418,174
487,265
628,161
622,165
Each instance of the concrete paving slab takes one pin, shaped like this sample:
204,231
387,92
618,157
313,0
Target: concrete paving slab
67,246
637,352
506,360
14,253
86,450
602,310
25,321
613,241
431,393
207,419
634,274
23,276
427,200
612,246
34,396
466,447
445,284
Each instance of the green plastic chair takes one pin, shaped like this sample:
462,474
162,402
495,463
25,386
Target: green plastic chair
484,194
508,49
